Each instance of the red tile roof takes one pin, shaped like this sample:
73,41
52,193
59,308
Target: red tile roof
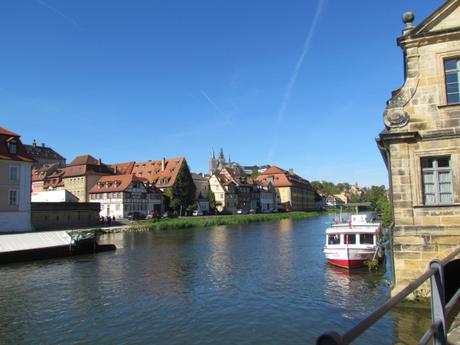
152,171
85,159
281,178
114,183
122,168
21,154
4,131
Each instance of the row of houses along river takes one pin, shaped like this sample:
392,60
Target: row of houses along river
264,283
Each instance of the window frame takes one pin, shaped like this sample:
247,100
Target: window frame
444,70
11,168
435,170
16,197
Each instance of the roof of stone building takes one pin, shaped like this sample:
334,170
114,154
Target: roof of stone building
118,183
43,152
54,180
442,13
39,174
114,183
281,178
153,172
85,159
21,154
86,164
123,168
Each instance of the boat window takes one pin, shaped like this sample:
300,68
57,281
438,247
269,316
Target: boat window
350,239
333,239
366,239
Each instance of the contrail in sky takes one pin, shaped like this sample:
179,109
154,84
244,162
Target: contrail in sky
306,47
295,73
59,13
216,107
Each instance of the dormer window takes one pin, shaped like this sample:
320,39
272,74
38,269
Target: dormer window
12,146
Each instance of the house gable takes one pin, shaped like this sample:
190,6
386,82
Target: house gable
445,18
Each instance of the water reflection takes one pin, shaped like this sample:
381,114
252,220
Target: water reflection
264,283
219,260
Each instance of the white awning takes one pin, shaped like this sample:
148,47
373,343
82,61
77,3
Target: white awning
33,240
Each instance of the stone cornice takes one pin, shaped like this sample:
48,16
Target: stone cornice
386,136
447,133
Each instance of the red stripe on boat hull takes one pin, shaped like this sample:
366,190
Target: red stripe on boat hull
347,263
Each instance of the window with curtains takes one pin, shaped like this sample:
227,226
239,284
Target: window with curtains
437,180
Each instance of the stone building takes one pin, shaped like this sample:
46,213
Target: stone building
421,143
294,193
82,174
201,182
44,155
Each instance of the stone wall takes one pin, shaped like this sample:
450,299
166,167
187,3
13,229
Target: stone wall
64,215
420,124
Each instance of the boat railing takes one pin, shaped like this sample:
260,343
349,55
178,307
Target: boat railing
443,275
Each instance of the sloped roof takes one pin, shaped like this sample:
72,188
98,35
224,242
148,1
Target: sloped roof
85,159
39,174
21,153
152,171
6,132
281,178
122,168
114,183
43,152
448,13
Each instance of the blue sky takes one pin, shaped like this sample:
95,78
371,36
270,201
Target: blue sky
298,84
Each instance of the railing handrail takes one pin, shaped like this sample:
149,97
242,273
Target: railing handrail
440,309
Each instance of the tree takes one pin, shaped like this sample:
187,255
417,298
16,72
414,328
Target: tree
212,200
373,194
384,207
182,194
254,173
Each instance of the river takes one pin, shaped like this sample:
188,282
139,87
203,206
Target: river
262,283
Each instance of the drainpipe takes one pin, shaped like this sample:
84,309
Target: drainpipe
385,151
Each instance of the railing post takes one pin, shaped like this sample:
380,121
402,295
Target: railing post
438,315
330,338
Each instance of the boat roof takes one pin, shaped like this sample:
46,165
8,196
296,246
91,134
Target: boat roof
369,229
34,240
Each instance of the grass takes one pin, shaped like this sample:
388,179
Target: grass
193,222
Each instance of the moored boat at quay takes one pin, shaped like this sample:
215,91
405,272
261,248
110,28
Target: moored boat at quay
351,244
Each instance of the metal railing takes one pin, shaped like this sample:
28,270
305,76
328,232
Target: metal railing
439,309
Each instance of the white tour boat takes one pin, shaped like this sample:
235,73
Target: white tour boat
351,244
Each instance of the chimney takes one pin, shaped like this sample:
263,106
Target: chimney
43,144
99,162
163,164
34,144
291,171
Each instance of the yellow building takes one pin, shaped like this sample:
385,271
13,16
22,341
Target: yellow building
82,174
293,192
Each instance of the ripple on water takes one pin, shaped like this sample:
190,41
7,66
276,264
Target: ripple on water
264,283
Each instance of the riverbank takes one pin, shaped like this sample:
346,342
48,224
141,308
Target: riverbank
194,222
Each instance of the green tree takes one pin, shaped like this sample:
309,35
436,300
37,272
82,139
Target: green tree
384,207
211,200
254,173
182,194
373,194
